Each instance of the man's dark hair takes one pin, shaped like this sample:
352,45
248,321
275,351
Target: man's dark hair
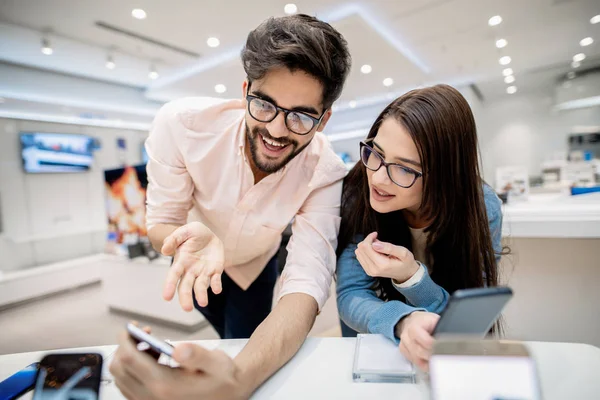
299,42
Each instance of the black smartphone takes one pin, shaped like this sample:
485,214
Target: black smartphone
69,376
472,312
148,343
19,383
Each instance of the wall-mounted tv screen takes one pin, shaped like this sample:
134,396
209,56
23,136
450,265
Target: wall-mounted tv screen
56,152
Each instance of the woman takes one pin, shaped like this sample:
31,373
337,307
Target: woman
418,222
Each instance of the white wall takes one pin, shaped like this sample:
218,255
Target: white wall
53,217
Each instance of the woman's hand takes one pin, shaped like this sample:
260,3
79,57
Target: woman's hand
380,259
416,342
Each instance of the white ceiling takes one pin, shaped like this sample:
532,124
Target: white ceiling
413,42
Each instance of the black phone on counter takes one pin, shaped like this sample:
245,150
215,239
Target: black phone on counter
19,383
472,312
69,376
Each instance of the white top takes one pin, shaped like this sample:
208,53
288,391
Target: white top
322,369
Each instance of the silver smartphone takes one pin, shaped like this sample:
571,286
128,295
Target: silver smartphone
148,343
482,369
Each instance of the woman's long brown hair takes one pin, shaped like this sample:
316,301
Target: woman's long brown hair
442,126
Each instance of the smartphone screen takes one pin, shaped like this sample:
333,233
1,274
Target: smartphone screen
69,376
19,383
466,377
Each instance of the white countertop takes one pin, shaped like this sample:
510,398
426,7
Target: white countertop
553,215
322,369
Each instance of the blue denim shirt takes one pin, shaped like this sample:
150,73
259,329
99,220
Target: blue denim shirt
362,311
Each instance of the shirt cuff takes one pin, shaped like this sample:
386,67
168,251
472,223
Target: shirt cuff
413,280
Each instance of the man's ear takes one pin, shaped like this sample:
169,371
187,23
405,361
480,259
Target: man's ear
245,85
324,121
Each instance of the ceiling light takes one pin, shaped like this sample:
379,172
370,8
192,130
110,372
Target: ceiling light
366,69
575,64
153,74
504,60
595,19
586,41
511,90
290,9
352,104
388,82
509,79
579,57
501,43
213,42
571,75
220,88
46,48
138,13
495,20
110,63
507,71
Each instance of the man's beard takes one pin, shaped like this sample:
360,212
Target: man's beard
270,166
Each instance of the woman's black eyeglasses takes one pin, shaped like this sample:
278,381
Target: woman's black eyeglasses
399,174
296,121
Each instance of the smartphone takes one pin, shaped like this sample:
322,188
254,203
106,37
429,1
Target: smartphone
472,312
485,369
19,383
69,376
148,343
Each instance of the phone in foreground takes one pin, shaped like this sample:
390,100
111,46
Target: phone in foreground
69,376
472,312
485,369
148,343
19,383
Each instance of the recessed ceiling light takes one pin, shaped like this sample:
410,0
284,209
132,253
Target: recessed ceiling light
220,88
495,20
575,64
388,82
290,9
213,42
586,41
504,60
571,75
366,69
153,75
46,48
511,90
507,71
110,63
501,43
352,104
138,13
595,19
579,57
509,79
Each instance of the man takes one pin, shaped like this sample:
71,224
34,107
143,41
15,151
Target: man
243,170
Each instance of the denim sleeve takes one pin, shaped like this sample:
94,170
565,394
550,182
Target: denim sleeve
493,206
427,294
358,304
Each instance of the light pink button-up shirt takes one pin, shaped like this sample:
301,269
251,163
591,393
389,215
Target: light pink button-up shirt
198,171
